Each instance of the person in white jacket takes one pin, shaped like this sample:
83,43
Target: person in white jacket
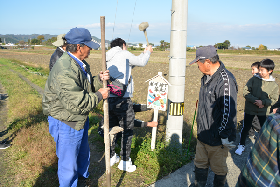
120,63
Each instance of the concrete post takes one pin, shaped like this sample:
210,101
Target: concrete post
177,68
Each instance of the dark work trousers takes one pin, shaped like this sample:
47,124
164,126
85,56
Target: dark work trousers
121,114
247,124
255,126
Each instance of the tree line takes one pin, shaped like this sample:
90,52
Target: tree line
162,47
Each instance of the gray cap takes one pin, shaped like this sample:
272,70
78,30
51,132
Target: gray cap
204,52
60,40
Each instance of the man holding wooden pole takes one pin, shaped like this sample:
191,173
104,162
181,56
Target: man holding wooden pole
70,94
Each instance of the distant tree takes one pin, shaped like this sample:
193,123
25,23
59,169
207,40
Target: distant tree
35,41
21,42
261,47
166,45
140,45
50,41
151,44
253,48
248,46
227,44
224,45
161,47
0,40
265,48
220,46
41,38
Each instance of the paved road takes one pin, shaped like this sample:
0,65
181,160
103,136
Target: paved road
185,175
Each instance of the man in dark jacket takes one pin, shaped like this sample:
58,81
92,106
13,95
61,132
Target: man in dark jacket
216,117
61,44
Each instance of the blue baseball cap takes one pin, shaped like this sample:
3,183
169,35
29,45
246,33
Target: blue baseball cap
81,36
204,52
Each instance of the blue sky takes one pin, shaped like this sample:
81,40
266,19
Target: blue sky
242,22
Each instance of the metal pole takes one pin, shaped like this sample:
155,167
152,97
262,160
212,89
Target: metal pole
177,69
105,105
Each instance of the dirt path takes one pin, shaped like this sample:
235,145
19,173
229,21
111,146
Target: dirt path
3,128
37,88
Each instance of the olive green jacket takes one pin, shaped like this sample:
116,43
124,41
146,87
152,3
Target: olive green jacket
265,90
68,94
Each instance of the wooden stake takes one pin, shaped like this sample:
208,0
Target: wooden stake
105,105
154,132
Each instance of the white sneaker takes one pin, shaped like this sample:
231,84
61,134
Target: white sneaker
4,146
126,166
240,149
115,159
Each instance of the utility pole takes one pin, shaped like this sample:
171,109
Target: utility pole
177,69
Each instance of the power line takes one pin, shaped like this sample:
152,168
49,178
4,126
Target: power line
132,21
115,19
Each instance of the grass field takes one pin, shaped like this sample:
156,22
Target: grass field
31,161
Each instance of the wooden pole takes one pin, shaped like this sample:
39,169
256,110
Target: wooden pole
154,132
105,105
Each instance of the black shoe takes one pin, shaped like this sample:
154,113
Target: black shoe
219,180
4,146
200,177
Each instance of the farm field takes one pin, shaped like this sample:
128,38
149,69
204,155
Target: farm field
238,64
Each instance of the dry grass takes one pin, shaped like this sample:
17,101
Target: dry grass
33,146
36,161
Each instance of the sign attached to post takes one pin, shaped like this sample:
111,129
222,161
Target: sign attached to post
157,93
156,99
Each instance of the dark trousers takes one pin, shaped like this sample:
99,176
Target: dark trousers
247,124
255,126
121,114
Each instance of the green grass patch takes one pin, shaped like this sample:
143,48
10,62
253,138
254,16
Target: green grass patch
36,75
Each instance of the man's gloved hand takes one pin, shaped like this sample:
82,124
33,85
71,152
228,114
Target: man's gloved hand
225,142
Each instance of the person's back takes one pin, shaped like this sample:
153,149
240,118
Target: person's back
61,44
120,63
262,165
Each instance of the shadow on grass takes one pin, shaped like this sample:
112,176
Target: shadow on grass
48,177
169,156
19,123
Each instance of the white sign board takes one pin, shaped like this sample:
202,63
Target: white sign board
157,95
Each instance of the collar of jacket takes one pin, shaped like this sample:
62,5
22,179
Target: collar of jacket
216,74
81,64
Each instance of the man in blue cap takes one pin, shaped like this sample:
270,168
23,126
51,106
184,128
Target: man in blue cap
216,117
70,94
